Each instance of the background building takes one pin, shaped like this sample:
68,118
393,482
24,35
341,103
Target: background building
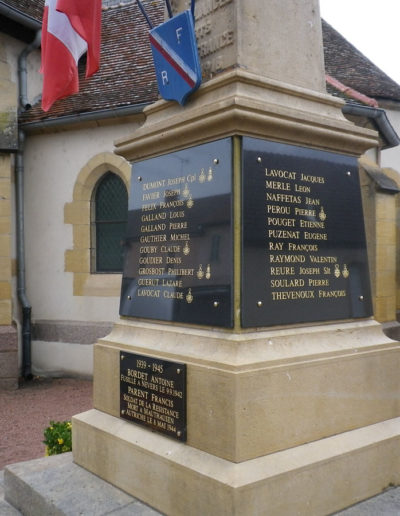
60,250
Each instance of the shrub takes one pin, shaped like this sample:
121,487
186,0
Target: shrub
58,438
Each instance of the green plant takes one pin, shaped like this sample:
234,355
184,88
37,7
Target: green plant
58,438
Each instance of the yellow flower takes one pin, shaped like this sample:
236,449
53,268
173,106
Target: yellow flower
60,441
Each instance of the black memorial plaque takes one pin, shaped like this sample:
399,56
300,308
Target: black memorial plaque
153,393
304,255
178,253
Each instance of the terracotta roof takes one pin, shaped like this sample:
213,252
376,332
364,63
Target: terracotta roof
33,8
349,66
126,75
350,93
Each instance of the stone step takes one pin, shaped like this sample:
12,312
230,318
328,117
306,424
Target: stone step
5,508
55,486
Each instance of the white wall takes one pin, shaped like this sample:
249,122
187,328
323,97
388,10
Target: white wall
53,162
13,50
391,157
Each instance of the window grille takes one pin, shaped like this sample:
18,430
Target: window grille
109,224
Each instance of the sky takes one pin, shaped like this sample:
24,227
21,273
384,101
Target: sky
372,26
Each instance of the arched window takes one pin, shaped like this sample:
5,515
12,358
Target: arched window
109,219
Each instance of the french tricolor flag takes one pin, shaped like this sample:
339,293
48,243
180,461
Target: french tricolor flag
70,28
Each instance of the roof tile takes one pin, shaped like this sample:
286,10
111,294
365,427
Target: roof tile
126,76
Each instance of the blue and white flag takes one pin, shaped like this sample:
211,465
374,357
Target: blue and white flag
176,59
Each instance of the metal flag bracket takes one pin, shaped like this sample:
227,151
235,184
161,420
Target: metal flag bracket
175,54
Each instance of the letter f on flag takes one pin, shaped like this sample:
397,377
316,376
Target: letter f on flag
70,28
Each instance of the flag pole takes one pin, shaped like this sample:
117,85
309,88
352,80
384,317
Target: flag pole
192,8
169,8
144,13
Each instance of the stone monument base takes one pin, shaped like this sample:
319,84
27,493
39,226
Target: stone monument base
299,420
315,478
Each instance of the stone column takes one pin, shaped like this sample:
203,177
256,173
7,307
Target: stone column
274,414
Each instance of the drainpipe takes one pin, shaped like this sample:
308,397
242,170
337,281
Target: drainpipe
21,288
380,118
26,332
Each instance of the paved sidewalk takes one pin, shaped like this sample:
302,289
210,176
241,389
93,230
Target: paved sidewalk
25,413
385,504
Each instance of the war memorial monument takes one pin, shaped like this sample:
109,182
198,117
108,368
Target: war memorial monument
246,374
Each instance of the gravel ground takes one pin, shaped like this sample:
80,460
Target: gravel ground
26,412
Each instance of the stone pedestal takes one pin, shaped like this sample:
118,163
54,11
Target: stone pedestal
293,419
301,419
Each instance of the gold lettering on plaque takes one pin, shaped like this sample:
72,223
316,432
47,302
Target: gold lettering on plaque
147,292
282,271
179,236
315,236
278,210
150,196
154,184
172,283
281,221
312,179
148,249
337,271
304,213
287,258
318,282
275,246
309,270
281,233
200,272
282,174
312,202
178,225
345,271
171,204
277,197
278,185
312,224
172,193
149,228
150,260
303,248
172,294
332,293
295,294
279,283
151,271
323,259
302,188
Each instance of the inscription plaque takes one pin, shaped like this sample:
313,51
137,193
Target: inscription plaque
304,253
302,247
153,393
178,252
